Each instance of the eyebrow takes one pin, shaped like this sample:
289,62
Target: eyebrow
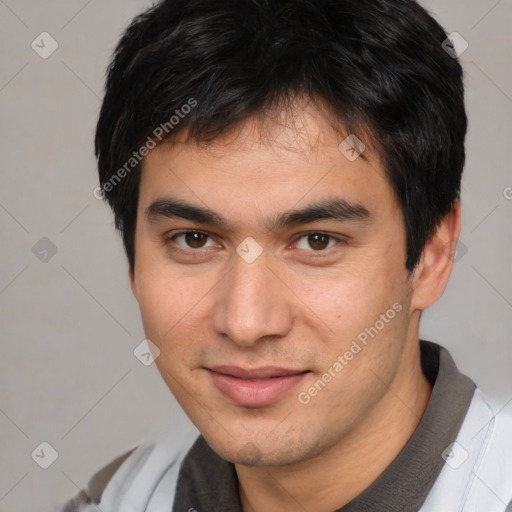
329,209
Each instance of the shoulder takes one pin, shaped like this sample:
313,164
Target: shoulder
134,477
490,427
476,475
96,485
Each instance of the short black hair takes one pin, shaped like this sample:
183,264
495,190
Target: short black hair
205,66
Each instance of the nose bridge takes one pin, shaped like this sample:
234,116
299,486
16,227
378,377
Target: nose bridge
252,304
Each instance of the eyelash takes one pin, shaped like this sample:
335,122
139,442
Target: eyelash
170,242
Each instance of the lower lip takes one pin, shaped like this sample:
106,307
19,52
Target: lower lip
256,392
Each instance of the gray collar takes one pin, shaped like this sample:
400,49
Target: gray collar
208,482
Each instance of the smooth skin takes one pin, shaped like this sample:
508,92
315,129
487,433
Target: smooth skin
299,305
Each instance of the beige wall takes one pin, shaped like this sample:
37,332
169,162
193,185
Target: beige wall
69,326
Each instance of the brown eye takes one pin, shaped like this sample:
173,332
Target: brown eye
195,239
191,240
318,241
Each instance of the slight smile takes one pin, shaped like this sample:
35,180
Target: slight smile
258,387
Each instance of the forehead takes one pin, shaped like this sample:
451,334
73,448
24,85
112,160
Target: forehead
268,165
304,128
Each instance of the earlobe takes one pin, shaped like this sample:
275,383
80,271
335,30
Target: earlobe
433,270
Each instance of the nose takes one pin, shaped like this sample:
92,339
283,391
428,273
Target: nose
253,304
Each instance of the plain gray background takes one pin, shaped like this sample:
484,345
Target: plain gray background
69,325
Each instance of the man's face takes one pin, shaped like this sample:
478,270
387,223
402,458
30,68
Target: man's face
280,319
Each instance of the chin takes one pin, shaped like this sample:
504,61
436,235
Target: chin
247,449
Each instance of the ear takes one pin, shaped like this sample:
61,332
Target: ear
431,274
133,285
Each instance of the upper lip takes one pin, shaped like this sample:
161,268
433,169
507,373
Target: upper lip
263,372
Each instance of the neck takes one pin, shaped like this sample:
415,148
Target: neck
336,476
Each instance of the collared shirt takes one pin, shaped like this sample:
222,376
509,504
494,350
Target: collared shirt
207,482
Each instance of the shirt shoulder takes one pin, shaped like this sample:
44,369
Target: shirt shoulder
142,479
92,494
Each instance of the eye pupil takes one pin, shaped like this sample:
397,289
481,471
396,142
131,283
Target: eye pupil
195,239
318,241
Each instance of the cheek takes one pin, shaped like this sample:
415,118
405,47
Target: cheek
170,304
360,333
346,301
171,312
360,315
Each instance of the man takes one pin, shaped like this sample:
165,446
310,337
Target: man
286,179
